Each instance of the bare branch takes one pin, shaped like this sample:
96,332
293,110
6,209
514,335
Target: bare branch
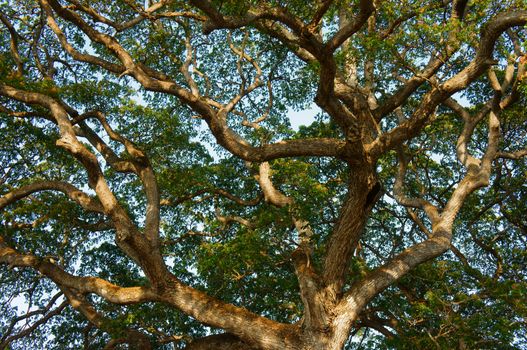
271,194
151,13
111,67
141,166
229,219
26,114
436,61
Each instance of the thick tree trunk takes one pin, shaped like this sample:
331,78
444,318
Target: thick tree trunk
223,341
362,194
227,341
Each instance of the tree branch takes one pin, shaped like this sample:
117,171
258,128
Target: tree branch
366,8
103,288
76,195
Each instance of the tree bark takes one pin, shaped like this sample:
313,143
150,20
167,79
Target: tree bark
223,341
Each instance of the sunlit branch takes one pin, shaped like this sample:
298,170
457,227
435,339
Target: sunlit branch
256,123
76,195
311,291
150,13
175,293
82,57
271,194
512,155
189,57
227,220
215,191
362,291
369,70
469,124
240,52
141,166
85,285
217,123
276,20
415,218
436,61
128,236
392,26
109,155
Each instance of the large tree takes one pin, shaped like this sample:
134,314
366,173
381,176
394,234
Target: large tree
155,195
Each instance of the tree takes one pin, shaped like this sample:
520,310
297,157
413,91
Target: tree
126,223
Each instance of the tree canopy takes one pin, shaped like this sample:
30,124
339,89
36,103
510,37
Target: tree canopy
155,194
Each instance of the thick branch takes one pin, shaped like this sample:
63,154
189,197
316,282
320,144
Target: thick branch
128,236
103,288
253,329
71,191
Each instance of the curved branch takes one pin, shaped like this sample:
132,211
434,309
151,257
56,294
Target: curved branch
513,155
76,195
111,67
271,194
143,14
439,94
434,64
109,155
128,235
41,311
376,281
142,167
319,14
315,147
26,114
216,121
103,288
252,328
